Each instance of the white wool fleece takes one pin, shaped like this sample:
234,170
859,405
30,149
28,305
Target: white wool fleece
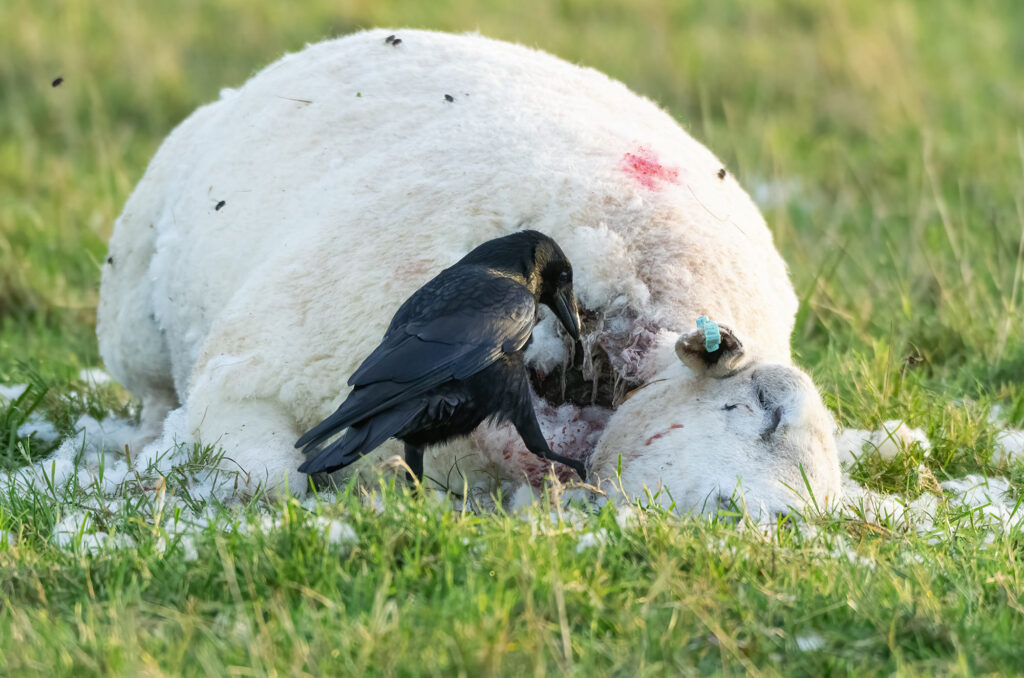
276,231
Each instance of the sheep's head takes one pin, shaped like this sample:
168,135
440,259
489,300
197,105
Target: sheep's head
720,428
713,429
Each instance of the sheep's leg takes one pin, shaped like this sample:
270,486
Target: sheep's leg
257,438
155,406
131,341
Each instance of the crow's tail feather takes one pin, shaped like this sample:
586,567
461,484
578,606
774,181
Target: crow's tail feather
360,439
348,414
362,403
324,430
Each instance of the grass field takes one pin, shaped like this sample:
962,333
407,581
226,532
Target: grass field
885,144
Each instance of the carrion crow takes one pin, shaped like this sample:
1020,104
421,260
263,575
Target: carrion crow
453,357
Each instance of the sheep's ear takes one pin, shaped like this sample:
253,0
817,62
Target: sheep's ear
723,361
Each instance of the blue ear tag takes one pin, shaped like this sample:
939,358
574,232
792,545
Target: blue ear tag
712,337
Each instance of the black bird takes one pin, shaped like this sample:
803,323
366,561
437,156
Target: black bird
453,357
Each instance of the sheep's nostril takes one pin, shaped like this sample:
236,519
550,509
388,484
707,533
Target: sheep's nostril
773,423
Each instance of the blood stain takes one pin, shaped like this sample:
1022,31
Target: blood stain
662,434
644,167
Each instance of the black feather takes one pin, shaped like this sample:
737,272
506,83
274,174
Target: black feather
452,356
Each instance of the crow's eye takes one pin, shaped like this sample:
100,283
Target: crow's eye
565,276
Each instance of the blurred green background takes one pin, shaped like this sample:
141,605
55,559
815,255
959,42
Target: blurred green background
882,140
884,143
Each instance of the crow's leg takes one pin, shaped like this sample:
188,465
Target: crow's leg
529,430
414,458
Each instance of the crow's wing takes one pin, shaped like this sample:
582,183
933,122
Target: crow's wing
455,326
465,310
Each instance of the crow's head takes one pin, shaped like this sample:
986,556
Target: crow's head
544,268
554,289
550,279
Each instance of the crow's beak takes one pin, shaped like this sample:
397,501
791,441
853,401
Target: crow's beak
568,314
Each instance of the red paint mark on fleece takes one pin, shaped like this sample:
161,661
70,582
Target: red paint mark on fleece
659,435
644,167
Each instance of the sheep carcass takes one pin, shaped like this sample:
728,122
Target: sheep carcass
276,230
